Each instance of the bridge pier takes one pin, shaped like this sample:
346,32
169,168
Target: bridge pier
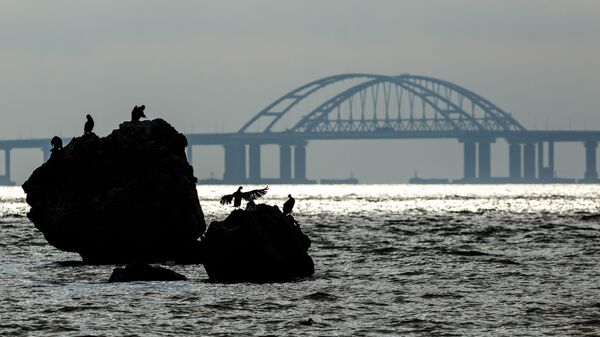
469,165
5,180
285,163
300,162
591,172
545,172
254,162
485,160
529,162
514,161
235,163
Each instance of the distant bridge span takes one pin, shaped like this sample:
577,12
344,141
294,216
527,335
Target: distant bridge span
370,106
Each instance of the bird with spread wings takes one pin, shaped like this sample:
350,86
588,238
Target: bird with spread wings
239,195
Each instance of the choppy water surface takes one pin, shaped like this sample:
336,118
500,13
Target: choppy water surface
390,260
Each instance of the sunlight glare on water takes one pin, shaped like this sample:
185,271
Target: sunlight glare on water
389,260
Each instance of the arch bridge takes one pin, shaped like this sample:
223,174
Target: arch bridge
371,106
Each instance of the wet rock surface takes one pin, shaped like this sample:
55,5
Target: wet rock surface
144,272
259,246
130,196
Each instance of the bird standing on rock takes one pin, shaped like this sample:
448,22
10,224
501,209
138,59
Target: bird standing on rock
288,206
89,125
137,113
57,146
238,195
56,143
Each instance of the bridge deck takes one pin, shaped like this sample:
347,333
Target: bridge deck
283,137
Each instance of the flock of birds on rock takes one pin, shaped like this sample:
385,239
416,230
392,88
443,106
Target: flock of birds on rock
250,196
136,114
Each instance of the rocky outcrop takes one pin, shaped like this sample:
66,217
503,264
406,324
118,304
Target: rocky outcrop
259,246
130,196
144,272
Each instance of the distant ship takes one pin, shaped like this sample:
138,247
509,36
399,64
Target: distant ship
417,180
350,180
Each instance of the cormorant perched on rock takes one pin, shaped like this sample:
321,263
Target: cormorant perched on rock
137,113
56,143
288,205
89,125
239,195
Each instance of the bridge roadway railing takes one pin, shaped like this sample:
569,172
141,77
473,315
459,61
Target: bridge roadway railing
531,153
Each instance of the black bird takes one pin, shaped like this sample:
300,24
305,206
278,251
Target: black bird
288,205
137,113
57,146
56,143
238,195
89,125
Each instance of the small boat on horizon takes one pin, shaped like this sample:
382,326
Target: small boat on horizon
418,180
350,180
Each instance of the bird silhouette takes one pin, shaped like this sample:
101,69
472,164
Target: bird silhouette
89,125
288,205
56,143
137,113
57,146
238,195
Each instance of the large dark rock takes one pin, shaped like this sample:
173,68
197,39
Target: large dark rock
130,196
259,246
144,272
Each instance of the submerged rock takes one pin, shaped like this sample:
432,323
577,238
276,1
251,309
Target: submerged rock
130,196
144,272
259,246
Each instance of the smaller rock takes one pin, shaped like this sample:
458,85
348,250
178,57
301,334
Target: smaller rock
144,272
259,246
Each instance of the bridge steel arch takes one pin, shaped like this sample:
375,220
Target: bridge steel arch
318,121
425,106
449,115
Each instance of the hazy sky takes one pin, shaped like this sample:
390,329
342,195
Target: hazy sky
209,66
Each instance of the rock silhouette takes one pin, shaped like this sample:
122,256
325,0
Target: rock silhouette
130,196
259,246
144,272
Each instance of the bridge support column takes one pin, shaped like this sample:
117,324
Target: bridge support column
514,161
551,159
6,179
300,162
235,163
254,162
591,173
529,162
285,163
485,160
469,165
546,172
540,157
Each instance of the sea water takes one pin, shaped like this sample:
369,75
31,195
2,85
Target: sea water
392,260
